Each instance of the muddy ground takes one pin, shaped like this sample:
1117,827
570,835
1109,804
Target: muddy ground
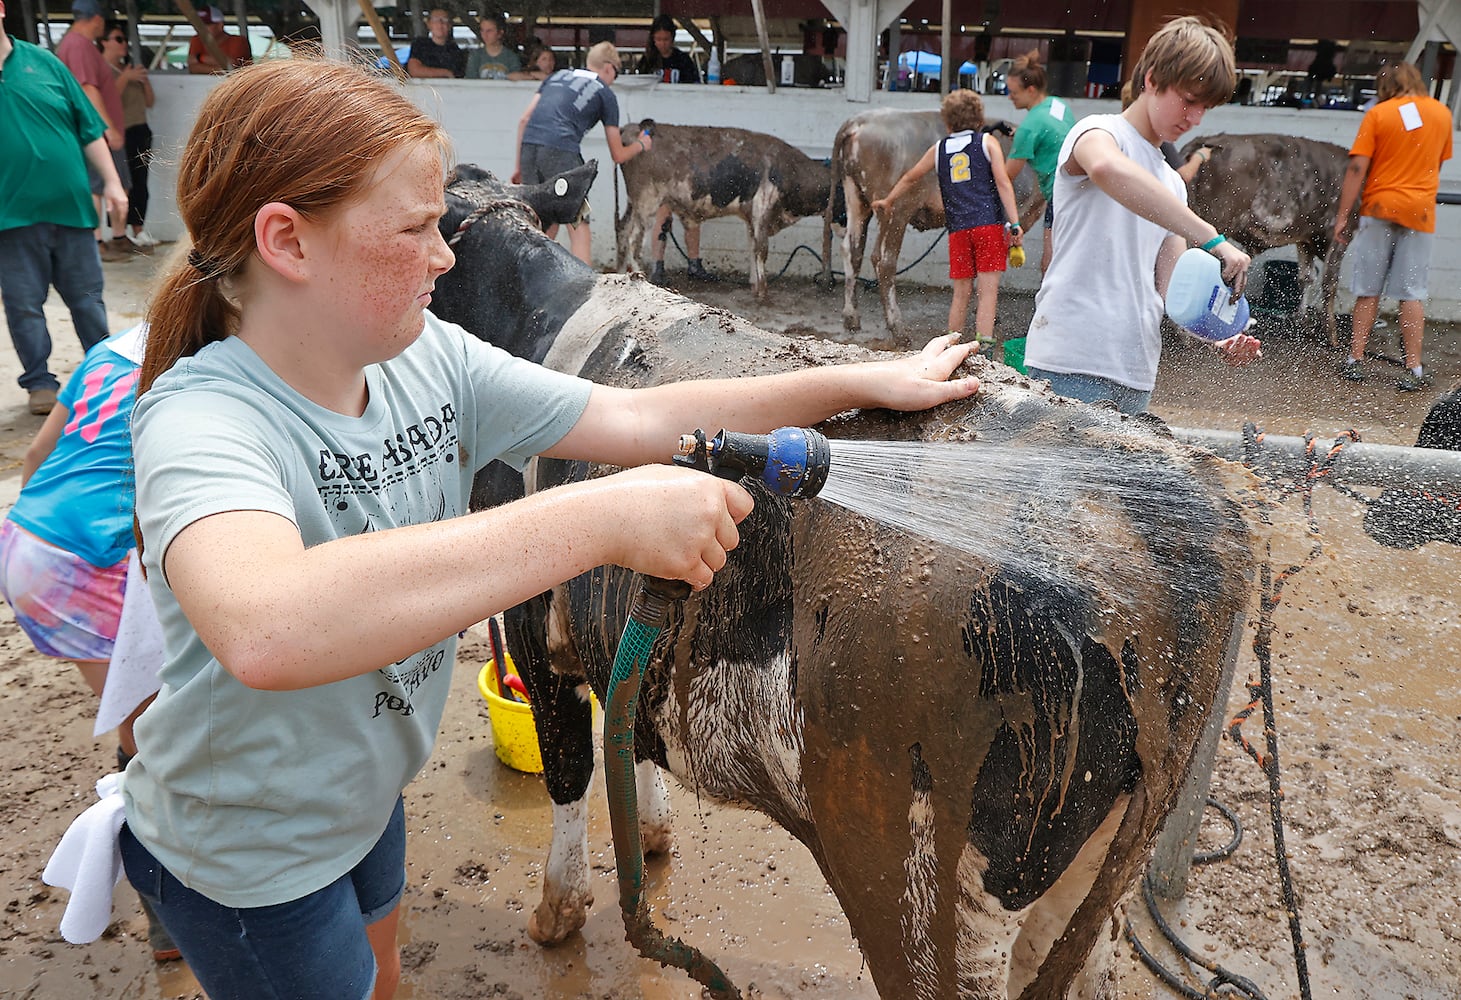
1368,688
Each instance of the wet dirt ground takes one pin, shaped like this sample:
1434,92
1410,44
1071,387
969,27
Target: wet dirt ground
1367,665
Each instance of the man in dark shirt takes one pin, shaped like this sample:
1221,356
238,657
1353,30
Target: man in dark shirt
566,106
663,59
437,55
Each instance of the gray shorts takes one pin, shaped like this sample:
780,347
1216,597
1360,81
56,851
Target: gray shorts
124,172
540,163
1390,260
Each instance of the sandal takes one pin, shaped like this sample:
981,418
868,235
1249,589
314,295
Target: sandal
985,344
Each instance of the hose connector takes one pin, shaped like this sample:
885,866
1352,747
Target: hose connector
790,461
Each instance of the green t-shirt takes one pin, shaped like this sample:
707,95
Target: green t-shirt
1039,137
481,66
45,123
259,797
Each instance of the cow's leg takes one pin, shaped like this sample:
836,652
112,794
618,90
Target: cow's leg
1047,918
758,226
565,738
655,829
885,265
854,240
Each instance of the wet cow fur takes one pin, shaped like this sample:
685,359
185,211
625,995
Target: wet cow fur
1267,191
978,752
872,150
705,173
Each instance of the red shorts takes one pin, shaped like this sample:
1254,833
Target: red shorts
977,251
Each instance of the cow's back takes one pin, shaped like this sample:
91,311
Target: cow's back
877,147
1269,190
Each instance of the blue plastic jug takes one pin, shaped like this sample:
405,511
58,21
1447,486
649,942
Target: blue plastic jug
1199,302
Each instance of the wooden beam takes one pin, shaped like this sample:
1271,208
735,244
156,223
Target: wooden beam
383,38
758,7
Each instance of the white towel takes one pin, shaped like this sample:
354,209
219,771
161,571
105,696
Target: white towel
88,861
136,657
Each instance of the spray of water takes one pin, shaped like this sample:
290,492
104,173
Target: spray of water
1042,513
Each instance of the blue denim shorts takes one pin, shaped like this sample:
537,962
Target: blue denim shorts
311,948
1094,388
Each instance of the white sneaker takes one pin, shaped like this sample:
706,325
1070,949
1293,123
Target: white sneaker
143,238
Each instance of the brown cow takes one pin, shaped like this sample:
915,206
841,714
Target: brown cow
872,150
1267,191
705,173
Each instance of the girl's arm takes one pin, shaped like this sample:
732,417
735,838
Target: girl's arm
43,443
280,616
637,426
622,152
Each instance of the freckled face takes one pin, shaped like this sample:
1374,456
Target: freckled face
383,253
1173,113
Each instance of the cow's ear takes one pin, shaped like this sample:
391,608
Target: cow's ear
279,239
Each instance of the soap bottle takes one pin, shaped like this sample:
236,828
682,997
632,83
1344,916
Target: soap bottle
1199,302
712,68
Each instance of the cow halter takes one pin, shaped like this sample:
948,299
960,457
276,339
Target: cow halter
487,208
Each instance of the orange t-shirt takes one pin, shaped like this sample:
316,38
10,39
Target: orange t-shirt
1407,138
236,47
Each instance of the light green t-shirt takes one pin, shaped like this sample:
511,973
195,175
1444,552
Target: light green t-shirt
259,797
481,66
1038,139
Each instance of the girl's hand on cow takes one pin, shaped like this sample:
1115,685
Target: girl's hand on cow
674,523
880,206
921,380
1240,350
1235,267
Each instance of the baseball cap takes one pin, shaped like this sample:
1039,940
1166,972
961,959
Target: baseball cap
208,15
85,10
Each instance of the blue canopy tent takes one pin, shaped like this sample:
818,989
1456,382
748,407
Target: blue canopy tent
922,63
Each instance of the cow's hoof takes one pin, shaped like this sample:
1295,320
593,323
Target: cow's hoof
657,838
851,322
550,925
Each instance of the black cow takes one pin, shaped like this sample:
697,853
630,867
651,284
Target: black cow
978,751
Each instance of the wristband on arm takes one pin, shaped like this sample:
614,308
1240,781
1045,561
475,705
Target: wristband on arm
1212,244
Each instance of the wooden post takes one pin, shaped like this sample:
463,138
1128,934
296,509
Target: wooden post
946,43
758,7
134,40
186,8
382,37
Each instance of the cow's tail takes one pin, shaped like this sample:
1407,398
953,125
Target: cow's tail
830,212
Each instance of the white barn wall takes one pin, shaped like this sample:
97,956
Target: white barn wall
482,118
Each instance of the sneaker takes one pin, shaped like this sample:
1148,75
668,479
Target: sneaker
111,253
42,401
143,238
127,244
1410,381
657,274
696,272
1353,371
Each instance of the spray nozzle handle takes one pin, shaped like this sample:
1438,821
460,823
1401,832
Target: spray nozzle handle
790,461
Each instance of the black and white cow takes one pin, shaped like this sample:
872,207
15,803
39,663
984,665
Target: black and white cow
977,752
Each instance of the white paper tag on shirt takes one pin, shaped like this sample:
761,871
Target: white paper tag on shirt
1057,110
1410,116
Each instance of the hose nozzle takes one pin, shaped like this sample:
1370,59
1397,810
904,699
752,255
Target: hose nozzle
790,461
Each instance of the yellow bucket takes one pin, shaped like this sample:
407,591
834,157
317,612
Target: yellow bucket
513,730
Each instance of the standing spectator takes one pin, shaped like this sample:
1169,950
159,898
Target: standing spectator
540,64
49,132
235,47
437,55
1040,136
78,50
1396,159
494,60
137,97
978,199
560,114
1122,224
670,64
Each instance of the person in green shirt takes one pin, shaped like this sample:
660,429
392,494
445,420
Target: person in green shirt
49,131
1038,139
